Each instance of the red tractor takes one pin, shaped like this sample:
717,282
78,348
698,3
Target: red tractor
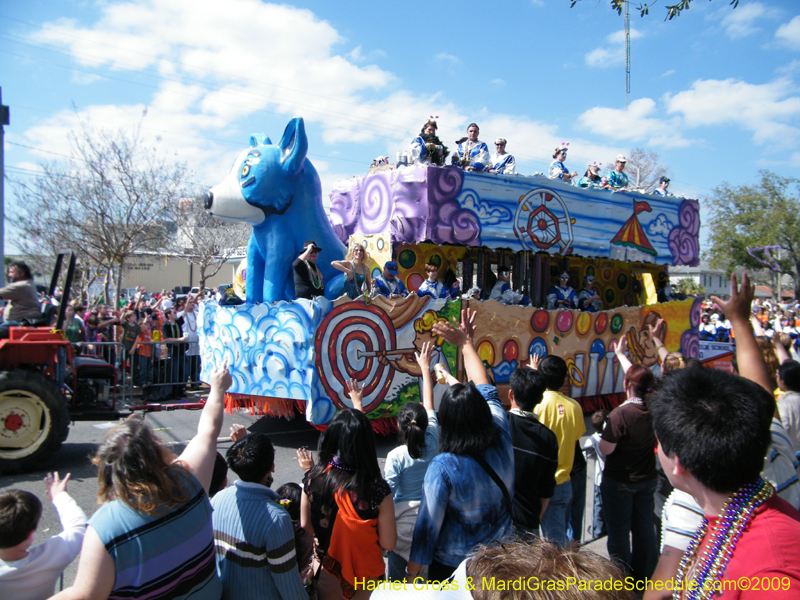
45,384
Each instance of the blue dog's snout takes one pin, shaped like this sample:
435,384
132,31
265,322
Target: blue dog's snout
209,200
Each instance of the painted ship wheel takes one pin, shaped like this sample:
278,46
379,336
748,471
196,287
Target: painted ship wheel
542,221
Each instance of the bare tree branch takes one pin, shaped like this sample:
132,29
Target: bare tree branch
113,197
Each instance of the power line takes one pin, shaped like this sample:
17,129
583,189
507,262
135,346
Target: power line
525,158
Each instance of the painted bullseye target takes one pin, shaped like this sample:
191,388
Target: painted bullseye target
349,343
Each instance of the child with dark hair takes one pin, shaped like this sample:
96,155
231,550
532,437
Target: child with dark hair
30,573
347,505
253,535
535,451
290,495
406,465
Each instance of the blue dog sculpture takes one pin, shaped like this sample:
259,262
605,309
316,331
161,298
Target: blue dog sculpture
277,190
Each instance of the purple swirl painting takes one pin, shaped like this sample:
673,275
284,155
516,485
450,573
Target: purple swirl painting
445,205
684,242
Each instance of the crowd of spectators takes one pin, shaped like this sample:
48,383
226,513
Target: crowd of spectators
473,490
775,323
150,336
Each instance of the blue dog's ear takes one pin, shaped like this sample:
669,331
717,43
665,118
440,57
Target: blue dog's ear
259,139
294,146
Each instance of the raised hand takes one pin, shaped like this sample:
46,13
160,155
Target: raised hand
467,324
737,308
238,432
450,334
305,458
355,392
54,486
425,356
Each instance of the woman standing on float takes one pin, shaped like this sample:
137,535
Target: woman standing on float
358,277
557,168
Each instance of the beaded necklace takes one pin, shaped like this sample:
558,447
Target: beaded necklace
315,274
633,400
734,517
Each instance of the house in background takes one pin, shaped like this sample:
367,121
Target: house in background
714,281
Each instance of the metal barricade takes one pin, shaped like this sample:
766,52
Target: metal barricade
164,370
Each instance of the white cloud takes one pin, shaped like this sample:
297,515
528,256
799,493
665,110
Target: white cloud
790,68
660,226
498,81
763,109
355,54
445,57
618,37
613,52
739,23
605,57
789,33
27,166
219,46
641,123
532,143
668,73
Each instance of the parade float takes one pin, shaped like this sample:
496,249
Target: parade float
294,356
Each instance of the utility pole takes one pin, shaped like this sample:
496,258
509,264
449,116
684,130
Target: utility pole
4,120
627,52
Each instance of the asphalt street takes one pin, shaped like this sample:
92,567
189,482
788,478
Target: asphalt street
175,428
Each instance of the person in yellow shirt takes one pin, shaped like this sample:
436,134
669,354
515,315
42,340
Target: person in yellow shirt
564,417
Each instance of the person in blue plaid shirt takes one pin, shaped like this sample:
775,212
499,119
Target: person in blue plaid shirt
617,179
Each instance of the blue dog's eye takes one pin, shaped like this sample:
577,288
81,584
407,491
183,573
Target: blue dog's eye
245,169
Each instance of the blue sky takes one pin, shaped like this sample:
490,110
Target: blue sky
715,92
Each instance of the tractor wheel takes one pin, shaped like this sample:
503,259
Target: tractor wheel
34,420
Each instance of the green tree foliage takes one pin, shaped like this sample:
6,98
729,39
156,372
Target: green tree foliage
673,10
755,216
690,287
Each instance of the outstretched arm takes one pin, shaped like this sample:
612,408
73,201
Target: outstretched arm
355,393
655,335
780,351
748,356
344,266
620,350
200,454
462,337
424,362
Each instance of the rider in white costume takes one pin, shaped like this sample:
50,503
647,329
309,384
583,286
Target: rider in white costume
502,162
472,154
